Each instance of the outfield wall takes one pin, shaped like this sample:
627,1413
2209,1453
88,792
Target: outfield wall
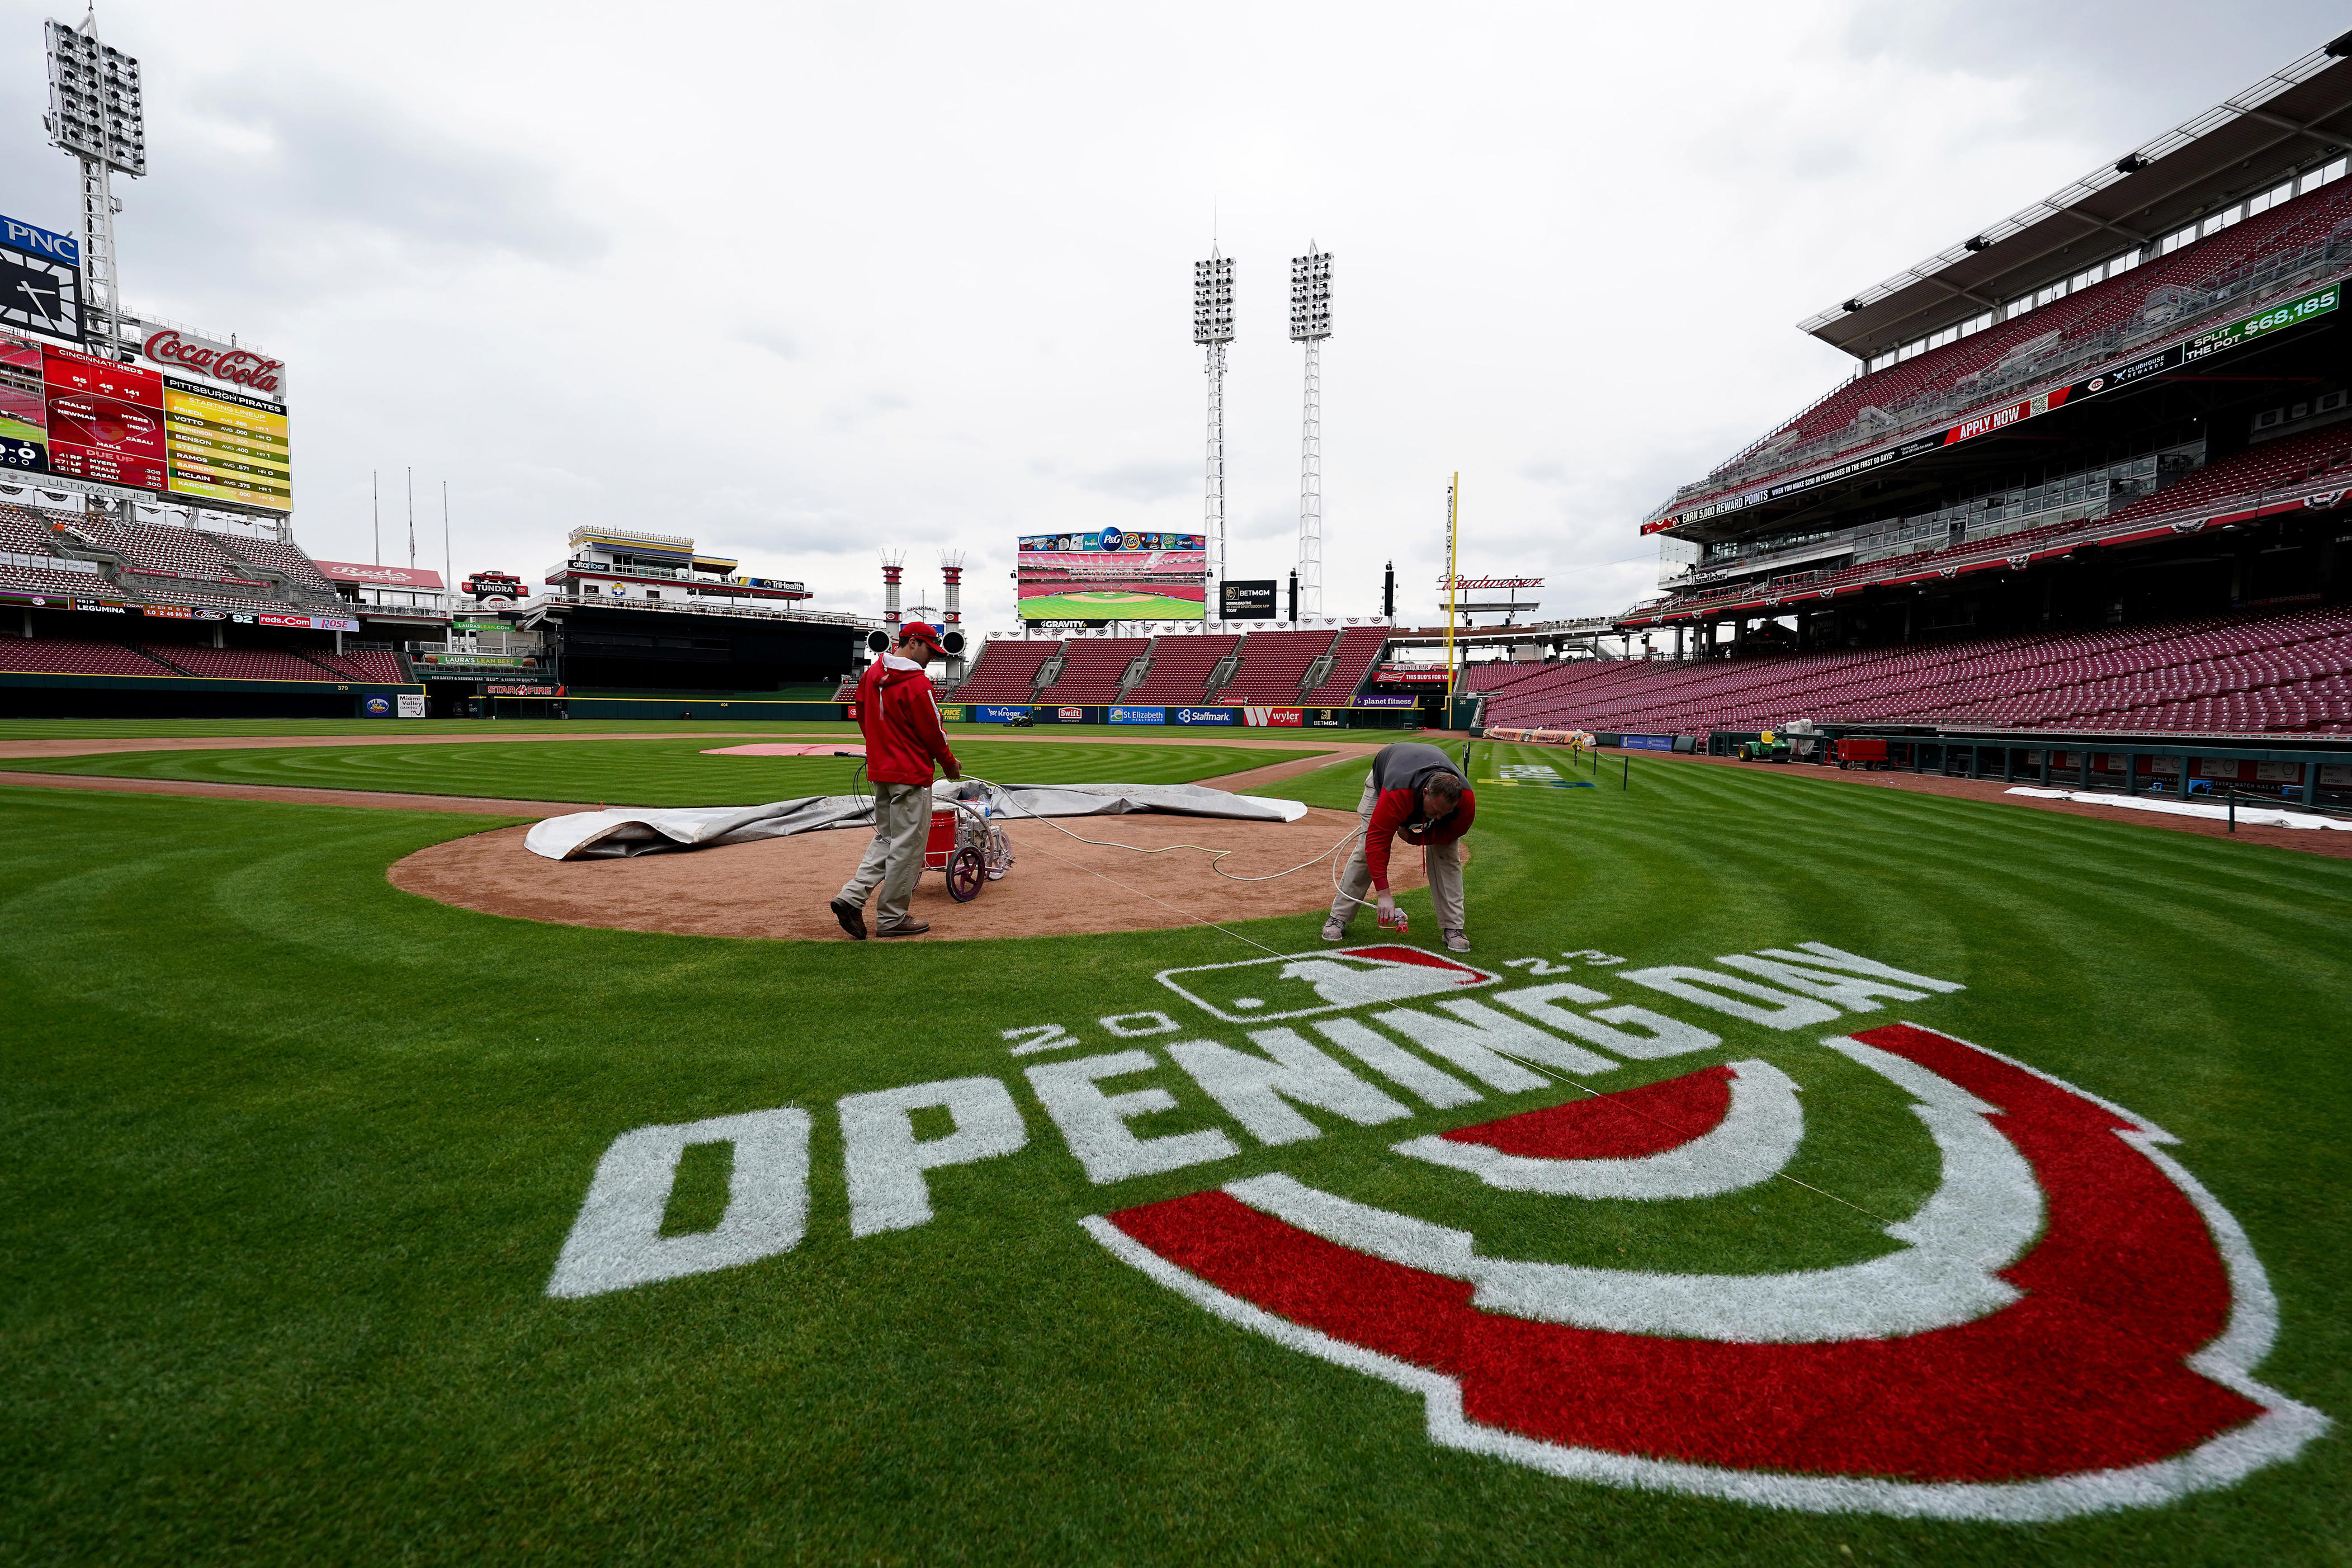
45,695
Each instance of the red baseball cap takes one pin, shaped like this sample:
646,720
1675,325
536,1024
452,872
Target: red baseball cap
921,632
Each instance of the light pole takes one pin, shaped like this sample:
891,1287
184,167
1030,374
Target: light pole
97,115
1212,326
1311,323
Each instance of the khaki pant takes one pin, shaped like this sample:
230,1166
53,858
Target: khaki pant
1444,861
902,821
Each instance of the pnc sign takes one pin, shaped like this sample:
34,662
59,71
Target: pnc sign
2062,1320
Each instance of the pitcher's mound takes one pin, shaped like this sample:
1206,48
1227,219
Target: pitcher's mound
779,887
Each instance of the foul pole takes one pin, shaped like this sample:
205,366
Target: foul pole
1452,574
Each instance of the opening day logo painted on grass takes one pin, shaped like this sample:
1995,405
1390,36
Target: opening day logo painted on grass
2067,1322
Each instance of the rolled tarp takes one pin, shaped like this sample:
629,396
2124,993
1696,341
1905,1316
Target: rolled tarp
623,830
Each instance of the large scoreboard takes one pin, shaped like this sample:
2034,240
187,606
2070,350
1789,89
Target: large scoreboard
1113,575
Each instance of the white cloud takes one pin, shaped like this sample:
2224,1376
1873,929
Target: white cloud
807,282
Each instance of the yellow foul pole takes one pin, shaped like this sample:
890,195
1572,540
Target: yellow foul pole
1453,573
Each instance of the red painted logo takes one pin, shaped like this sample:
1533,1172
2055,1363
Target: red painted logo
2068,1324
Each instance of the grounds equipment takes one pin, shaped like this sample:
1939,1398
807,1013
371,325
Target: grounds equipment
1850,751
966,843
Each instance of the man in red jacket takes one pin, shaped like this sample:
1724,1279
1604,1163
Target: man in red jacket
1415,791
903,738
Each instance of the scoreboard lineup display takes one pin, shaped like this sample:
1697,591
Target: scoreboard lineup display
81,417
1114,574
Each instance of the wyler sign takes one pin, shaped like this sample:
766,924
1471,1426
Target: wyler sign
2028,1307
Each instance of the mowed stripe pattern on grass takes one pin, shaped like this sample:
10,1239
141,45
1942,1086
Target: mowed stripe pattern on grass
291,1155
653,772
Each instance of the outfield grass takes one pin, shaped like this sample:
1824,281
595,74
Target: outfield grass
642,772
491,729
290,1155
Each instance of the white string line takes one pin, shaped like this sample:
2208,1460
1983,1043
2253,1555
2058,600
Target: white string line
1660,1122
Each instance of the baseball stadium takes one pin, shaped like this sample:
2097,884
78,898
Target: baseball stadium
1836,1061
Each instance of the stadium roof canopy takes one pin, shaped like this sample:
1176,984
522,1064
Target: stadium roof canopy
2299,114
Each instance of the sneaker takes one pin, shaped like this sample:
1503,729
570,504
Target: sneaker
1456,942
912,928
1334,931
851,918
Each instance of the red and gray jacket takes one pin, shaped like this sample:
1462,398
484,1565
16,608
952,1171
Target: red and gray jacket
1398,773
901,719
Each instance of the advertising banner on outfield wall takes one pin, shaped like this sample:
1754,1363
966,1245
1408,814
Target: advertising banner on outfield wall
1646,742
1138,715
1000,714
1374,700
1200,716
1275,718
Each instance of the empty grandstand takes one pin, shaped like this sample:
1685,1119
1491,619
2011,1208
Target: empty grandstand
2090,472
2279,671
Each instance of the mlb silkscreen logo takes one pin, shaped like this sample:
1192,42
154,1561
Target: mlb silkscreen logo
1301,985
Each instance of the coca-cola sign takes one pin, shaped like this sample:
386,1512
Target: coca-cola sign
218,362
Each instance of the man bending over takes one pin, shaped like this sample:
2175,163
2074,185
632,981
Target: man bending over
1415,792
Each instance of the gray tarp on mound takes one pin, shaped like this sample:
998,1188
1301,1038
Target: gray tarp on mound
633,830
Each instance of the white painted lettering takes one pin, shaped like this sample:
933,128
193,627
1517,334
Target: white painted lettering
884,1162
617,1242
1856,993
1474,1036
1822,955
1095,1123
1255,1089
1661,1036
1396,1064
1707,987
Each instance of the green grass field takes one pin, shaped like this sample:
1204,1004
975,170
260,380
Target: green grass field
642,772
1111,605
478,729
291,1155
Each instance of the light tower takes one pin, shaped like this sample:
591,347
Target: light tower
97,115
1311,323
1212,326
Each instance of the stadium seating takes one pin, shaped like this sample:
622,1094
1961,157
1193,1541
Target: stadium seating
2246,674
239,663
1005,670
75,655
1092,671
1180,668
1274,664
1359,647
1871,407
42,580
2317,460
286,558
182,552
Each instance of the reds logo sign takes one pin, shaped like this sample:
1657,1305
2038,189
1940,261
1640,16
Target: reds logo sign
2067,1325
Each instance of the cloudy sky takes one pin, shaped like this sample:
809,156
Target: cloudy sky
807,282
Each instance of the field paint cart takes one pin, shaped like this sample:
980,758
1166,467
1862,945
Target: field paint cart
966,843
1851,752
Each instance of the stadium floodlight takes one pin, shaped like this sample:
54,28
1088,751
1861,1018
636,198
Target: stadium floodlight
1212,326
99,115
1311,323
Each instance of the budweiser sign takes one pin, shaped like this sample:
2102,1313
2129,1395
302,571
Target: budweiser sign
221,362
